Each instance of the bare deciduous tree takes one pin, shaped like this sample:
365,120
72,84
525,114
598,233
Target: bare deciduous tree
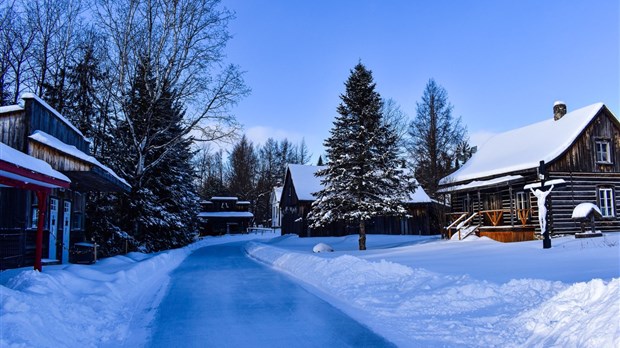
183,42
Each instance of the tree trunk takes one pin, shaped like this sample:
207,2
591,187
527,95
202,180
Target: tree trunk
362,240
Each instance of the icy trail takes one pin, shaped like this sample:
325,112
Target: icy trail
220,298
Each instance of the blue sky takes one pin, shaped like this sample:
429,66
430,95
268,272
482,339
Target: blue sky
503,63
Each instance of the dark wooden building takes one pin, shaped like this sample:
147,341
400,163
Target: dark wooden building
300,184
581,147
224,215
36,129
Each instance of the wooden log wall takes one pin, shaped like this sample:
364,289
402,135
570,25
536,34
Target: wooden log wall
583,187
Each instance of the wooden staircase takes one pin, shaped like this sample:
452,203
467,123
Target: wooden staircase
462,227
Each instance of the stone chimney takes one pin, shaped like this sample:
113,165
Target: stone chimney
559,110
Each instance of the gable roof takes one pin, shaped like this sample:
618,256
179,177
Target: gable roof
306,184
523,148
304,180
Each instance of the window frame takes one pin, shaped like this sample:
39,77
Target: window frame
609,209
598,144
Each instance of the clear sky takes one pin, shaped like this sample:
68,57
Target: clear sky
503,63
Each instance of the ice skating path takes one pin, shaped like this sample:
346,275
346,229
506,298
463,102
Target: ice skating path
218,297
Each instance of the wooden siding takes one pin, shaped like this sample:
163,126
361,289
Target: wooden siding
40,118
13,129
581,157
58,160
582,188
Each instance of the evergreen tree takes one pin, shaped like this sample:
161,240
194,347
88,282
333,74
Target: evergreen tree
243,169
364,177
161,208
434,136
320,161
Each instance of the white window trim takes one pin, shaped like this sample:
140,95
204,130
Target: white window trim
609,198
607,153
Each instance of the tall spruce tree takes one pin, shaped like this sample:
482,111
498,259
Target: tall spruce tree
161,208
434,136
364,177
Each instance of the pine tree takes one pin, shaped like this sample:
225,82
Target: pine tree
243,170
319,163
364,177
434,136
160,210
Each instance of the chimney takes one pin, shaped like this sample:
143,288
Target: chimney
559,110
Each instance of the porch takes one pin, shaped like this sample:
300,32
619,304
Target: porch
491,223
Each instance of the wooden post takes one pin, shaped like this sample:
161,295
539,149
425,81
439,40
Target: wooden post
362,240
38,251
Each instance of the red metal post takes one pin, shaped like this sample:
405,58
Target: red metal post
38,252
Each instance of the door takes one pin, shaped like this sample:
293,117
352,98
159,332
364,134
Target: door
66,231
53,227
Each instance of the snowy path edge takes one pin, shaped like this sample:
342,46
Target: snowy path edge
395,301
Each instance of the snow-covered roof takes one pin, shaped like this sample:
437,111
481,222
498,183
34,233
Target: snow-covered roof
583,210
218,198
243,203
419,196
524,148
10,108
304,180
225,214
71,150
52,110
482,183
306,184
20,159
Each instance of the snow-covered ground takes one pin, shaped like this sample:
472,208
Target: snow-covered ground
415,291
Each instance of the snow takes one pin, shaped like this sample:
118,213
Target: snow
10,108
223,198
412,290
305,182
71,150
88,305
18,158
483,183
321,248
555,182
525,147
223,214
583,210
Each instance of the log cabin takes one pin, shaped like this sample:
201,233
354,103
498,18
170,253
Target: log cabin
581,148
35,129
298,193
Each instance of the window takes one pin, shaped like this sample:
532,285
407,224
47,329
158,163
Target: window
603,151
522,202
606,201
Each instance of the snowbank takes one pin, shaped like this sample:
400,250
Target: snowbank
397,300
88,305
